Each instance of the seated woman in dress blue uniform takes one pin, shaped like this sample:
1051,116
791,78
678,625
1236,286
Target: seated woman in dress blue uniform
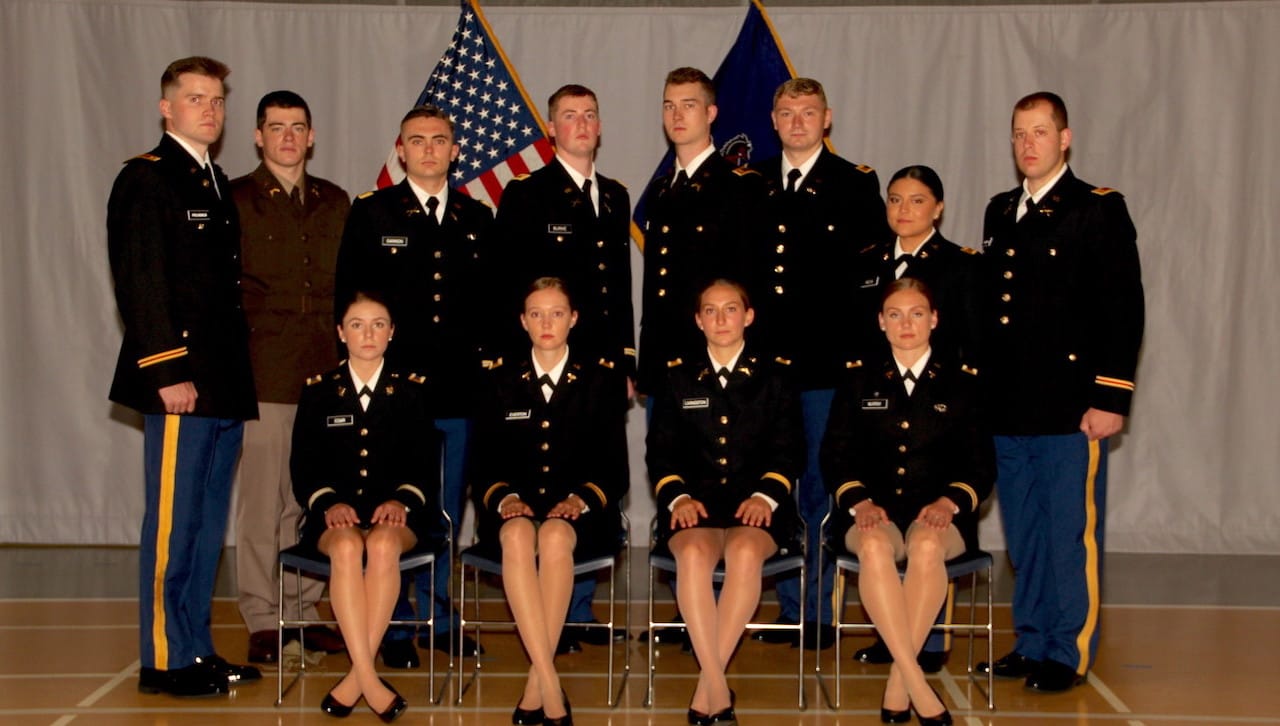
909,458
723,445
364,465
549,466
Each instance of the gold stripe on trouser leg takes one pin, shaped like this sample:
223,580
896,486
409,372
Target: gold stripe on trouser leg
164,527
1090,557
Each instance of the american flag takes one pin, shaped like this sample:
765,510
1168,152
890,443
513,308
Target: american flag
499,131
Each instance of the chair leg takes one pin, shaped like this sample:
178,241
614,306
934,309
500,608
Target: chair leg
649,644
804,583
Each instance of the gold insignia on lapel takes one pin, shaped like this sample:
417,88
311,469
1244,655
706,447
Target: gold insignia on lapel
312,380
390,390
782,361
674,363
606,363
940,407
526,376
970,370
745,370
704,373
342,391
570,377
853,364
415,378
274,191
409,212
931,373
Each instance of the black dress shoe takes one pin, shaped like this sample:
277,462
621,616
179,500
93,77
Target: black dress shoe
778,637
818,636
395,709
1013,665
400,654
319,637
527,716
1050,676
942,719
191,682
470,648
567,644
262,647
601,636
235,674
889,716
698,718
931,661
334,707
665,636
875,654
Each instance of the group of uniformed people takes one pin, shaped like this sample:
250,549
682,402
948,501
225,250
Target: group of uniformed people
500,351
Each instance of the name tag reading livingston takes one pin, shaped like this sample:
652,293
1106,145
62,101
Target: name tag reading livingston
689,403
344,420
519,415
395,241
875,404
197,215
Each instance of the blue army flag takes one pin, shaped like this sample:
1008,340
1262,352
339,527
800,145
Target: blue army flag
743,130
498,129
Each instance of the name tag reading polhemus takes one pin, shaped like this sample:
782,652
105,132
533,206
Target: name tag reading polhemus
519,415
344,420
689,403
395,241
875,404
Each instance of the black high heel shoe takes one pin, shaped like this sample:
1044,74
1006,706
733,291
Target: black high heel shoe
727,716
334,707
566,719
395,709
942,719
528,716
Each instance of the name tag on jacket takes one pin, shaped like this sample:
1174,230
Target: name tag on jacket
395,241
559,229
689,403
875,404
344,420
197,215
870,282
519,415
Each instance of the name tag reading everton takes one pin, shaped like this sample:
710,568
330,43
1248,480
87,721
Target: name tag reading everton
197,215
875,404
559,229
395,241
689,403
870,282
519,415
345,420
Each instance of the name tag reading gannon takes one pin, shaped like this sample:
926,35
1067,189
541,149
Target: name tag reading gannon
559,229
875,404
344,420
689,403
395,241
519,415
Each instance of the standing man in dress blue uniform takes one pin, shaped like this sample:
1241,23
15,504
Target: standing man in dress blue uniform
174,242
1063,302
290,223
568,221
820,211
425,247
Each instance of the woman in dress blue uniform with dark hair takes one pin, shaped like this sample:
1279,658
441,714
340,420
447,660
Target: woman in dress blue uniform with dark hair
364,464
909,458
723,447
549,466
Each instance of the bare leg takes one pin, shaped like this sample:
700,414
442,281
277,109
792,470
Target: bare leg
697,552
384,546
925,588
745,550
345,548
519,538
556,541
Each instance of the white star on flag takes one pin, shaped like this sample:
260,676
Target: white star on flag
474,65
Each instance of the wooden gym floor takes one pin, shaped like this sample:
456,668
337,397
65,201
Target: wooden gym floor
1185,640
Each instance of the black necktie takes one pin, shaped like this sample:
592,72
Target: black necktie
682,181
295,196
724,375
909,375
899,261
366,397
545,380
1031,207
793,178
433,204
586,190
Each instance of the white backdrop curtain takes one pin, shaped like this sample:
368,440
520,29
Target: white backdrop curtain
1169,104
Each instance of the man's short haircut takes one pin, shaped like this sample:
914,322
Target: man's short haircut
428,111
685,74
281,99
571,90
1057,107
800,87
197,64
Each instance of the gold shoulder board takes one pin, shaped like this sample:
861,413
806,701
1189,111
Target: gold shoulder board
864,168
366,195
1103,191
